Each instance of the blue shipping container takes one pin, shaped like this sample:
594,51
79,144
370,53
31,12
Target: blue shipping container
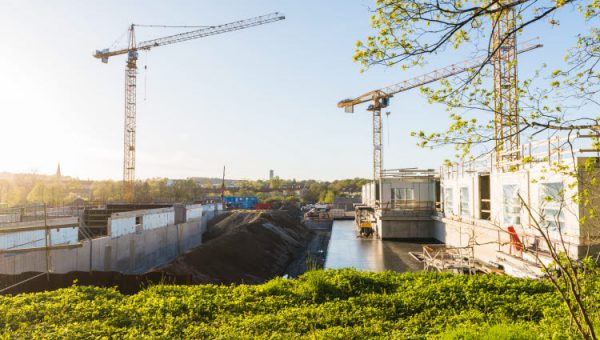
242,202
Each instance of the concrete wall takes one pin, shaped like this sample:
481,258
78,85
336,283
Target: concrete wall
119,226
210,210
130,253
137,242
460,234
405,229
158,219
125,223
193,212
37,238
24,235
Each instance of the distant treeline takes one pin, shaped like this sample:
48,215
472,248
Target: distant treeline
20,189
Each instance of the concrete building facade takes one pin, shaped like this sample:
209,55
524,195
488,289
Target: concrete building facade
406,203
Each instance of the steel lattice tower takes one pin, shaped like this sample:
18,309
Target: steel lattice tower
506,96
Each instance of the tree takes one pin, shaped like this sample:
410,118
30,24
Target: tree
55,194
4,190
275,183
410,32
327,197
312,193
106,191
37,194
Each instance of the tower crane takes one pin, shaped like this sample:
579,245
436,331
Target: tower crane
131,72
380,98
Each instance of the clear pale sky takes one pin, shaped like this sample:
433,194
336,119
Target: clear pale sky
253,100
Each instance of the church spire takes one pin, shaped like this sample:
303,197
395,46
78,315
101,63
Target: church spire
58,174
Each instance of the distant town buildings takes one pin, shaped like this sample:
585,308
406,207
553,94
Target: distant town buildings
271,174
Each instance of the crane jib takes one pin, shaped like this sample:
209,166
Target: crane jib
195,34
430,77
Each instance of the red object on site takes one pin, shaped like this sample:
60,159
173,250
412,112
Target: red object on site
262,206
514,239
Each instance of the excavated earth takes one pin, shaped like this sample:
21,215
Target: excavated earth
245,247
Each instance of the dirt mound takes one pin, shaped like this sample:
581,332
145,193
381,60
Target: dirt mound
244,247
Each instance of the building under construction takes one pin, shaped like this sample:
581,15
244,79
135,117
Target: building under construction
509,216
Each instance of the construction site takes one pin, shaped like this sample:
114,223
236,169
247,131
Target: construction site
500,212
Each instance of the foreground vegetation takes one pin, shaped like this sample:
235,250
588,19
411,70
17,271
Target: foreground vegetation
320,304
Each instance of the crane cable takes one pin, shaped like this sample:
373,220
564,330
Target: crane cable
114,44
387,115
145,75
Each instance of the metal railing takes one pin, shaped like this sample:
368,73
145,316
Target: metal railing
408,172
408,205
554,149
37,212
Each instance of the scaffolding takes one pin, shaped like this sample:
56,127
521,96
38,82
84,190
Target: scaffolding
442,258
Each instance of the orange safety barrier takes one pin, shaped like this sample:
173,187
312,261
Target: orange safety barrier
514,239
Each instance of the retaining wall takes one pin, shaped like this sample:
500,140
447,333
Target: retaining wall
132,253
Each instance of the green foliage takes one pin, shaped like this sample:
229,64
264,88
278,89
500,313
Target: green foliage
410,33
338,304
327,196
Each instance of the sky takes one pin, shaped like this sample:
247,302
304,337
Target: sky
253,100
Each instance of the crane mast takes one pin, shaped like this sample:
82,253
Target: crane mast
506,97
130,120
131,75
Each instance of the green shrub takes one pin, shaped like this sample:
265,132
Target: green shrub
330,304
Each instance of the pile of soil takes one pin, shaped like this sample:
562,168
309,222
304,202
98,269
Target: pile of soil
244,247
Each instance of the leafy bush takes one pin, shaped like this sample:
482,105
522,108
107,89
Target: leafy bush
330,304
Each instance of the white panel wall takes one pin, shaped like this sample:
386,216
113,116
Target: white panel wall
37,238
25,239
193,212
529,183
158,220
122,226
368,194
64,235
457,183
